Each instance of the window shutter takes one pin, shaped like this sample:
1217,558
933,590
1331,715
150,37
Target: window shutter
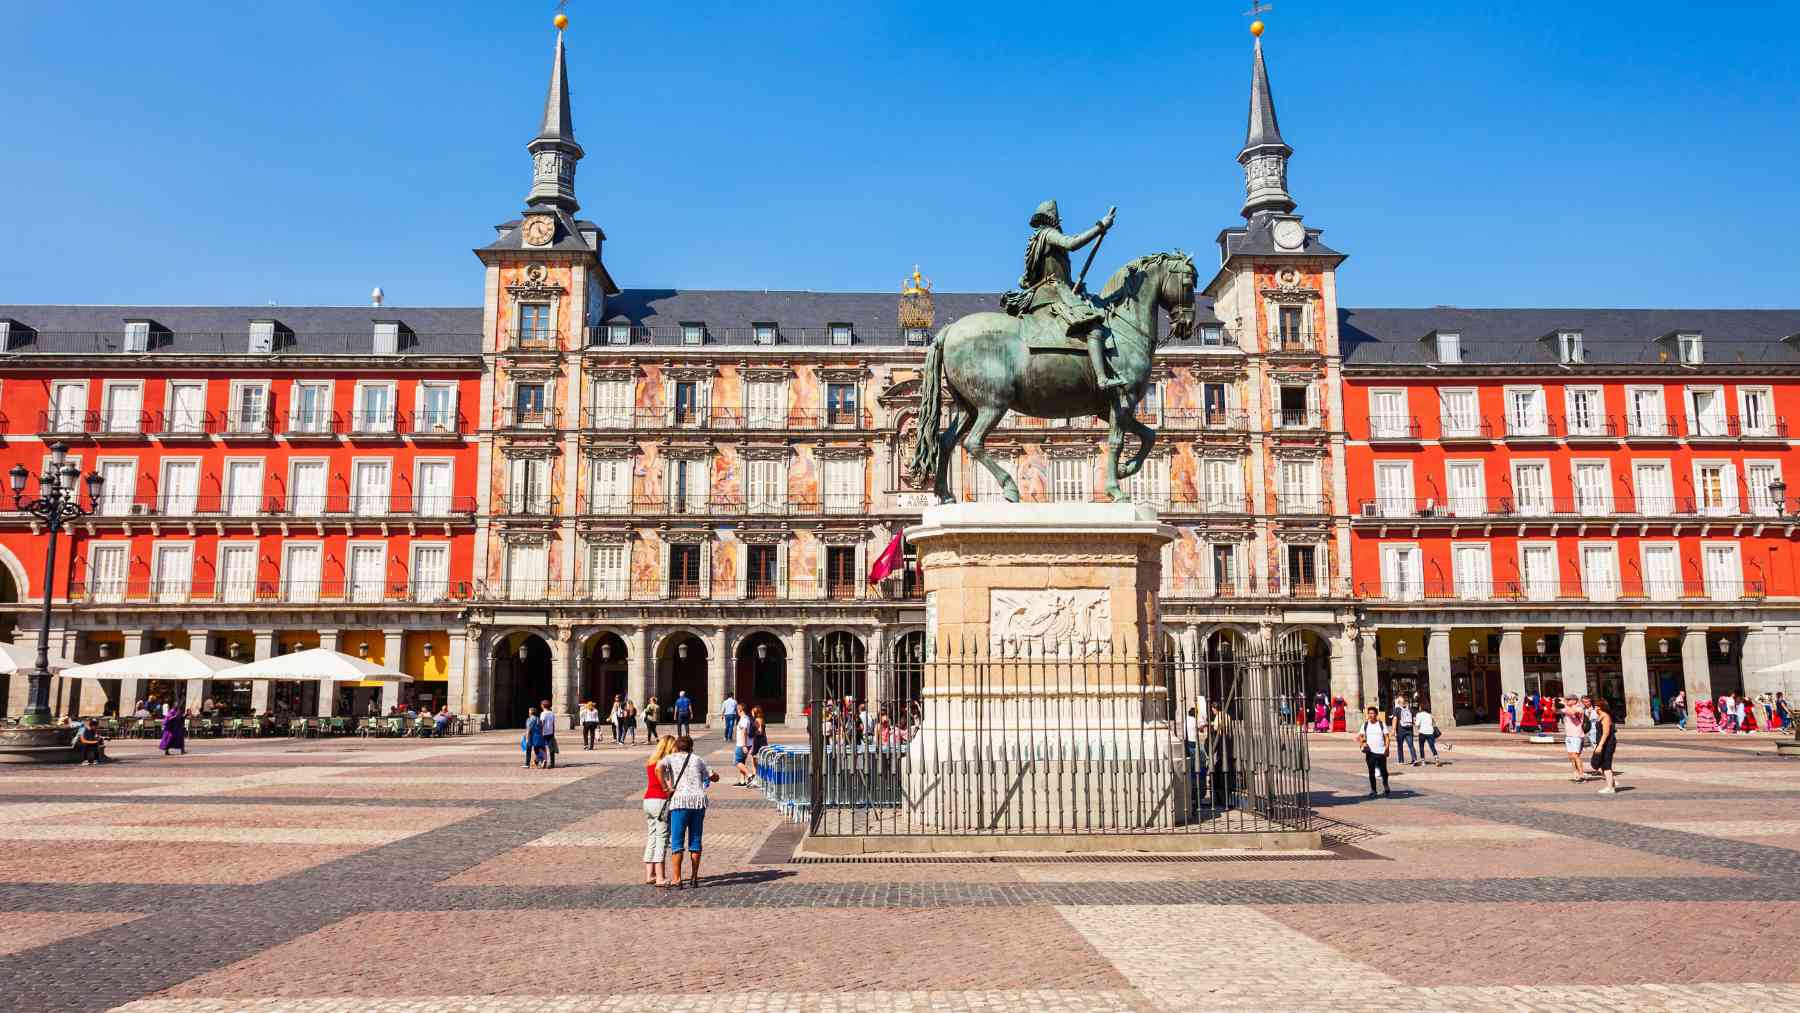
781,569
741,580
668,560
706,568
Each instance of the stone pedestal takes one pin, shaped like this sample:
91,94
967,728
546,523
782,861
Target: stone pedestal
1037,709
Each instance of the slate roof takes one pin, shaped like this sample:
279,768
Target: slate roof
199,330
1256,238
1375,337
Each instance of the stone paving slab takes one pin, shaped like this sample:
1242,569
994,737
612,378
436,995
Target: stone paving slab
24,930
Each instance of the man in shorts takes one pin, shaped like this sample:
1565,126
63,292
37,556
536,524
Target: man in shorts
1574,722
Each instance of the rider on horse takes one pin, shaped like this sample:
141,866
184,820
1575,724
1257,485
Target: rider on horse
1048,286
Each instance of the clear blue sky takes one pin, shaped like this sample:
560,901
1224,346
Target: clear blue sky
1582,154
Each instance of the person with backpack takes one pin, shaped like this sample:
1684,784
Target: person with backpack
684,718
532,742
1375,742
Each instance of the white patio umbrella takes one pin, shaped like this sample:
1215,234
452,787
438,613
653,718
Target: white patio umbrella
175,663
1785,668
316,665
21,659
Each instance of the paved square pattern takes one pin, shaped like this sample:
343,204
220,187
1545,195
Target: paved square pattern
324,876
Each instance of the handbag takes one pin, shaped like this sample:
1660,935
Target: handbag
662,815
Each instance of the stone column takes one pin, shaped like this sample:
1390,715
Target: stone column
1437,674
393,656
456,684
562,676
1371,670
469,689
262,649
130,690
328,640
637,668
717,661
799,665
1574,660
1512,661
1696,670
1344,682
1634,663
1761,649
200,642
880,667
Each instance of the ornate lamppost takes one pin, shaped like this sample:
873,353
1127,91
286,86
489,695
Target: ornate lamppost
57,503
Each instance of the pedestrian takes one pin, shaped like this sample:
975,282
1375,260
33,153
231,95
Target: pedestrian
547,728
174,730
1784,718
1374,741
758,740
652,714
88,740
656,816
532,742
740,754
590,724
684,720
1426,728
1747,722
1592,725
631,718
1767,703
1402,721
1603,754
1512,713
1574,735
1680,705
686,777
615,716
1196,767
729,711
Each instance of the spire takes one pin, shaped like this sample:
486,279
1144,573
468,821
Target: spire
554,151
1265,154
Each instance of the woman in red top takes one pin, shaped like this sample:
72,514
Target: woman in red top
656,816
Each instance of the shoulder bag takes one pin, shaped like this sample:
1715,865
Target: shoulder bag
662,815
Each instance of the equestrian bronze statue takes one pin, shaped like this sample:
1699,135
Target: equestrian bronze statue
1055,353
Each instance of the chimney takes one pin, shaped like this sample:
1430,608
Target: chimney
375,297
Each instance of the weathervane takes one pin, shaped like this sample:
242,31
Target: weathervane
1257,7
561,21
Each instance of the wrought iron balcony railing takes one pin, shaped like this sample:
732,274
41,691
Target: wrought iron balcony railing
1591,591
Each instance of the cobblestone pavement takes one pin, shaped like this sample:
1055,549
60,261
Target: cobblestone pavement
325,876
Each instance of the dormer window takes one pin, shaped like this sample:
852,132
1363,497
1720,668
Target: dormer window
1449,347
1212,335
137,335
1568,348
918,336
840,334
387,337
762,334
1691,352
618,334
693,334
262,337
5,335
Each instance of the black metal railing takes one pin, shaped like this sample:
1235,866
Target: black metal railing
267,592
1590,591
238,343
290,505
1393,427
752,589
1616,504
512,418
1457,426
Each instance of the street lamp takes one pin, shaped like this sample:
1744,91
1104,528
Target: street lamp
57,503
1778,496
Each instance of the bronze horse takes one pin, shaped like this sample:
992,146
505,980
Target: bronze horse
993,363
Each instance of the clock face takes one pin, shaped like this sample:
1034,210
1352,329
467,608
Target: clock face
538,231
1289,234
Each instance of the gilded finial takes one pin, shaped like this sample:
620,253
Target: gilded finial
561,21
916,284
1256,28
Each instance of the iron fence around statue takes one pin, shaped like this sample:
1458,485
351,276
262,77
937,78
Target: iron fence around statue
966,739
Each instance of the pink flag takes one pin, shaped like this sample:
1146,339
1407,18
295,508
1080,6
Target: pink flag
890,560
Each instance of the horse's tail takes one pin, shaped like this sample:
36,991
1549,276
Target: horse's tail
925,455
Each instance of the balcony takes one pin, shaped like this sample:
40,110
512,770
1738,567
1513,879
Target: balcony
1296,418
267,592
1616,506
374,425
528,505
1393,429
1206,419
1301,503
1530,426
313,425
1207,587
1471,428
1295,340
174,344
173,426
66,424
534,339
1732,428
1644,426
722,417
749,591
247,426
515,419
292,506
436,425
1586,427
1517,591
728,506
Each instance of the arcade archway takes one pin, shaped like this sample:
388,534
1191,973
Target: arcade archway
843,666
604,658
760,676
521,667
681,668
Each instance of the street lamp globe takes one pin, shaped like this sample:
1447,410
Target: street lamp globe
19,476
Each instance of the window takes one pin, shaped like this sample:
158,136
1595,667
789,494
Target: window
1568,345
262,337
249,408
840,572
1215,401
1449,347
1296,407
1759,477
1291,322
986,488
618,334
1644,414
306,485
528,486
1299,490
840,405
1662,572
243,488
174,572
68,407
107,573
844,486
437,409
368,572
124,403
1715,489
1537,567
527,570
766,404
1223,487
1706,412
1756,411
535,323
1401,574
687,485
1225,568
1151,483
1461,416
1473,572
1724,575
1387,415
117,494
1654,487
387,337
1393,489
1593,488
1302,571
1466,488
300,573
609,570
1691,353
1586,414
1525,412
762,334
841,334
918,336
684,571
760,571
374,408
1600,571
613,403
237,572
611,491
764,485
693,334
1212,336
430,572
311,408
1070,479
187,407
687,403
530,402
180,488
431,485
369,488
137,336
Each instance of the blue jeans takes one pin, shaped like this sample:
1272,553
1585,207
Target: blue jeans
1681,718
1403,740
1424,741
685,826
730,725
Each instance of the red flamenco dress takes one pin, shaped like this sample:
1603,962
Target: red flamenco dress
1749,724
1705,718
1337,714
1528,716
